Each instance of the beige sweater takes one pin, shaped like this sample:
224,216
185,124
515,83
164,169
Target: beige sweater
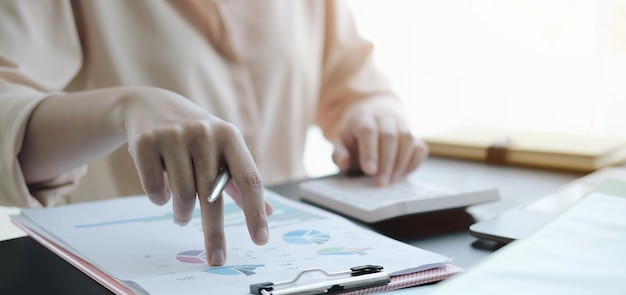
273,68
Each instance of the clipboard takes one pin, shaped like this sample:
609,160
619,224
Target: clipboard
56,228
359,277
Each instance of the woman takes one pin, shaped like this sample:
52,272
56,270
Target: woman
164,93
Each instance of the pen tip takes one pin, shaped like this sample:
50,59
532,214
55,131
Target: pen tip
213,197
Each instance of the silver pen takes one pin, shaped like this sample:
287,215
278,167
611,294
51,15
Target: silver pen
219,185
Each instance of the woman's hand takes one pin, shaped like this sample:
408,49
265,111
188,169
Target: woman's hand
172,140
374,138
177,148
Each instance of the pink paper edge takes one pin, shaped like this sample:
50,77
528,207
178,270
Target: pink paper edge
411,279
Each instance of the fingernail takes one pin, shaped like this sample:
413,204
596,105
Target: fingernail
382,180
370,167
180,222
396,177
344,164
217,257
262,235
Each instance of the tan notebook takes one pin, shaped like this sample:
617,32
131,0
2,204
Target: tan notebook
529,148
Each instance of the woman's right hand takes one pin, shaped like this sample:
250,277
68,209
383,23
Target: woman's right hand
177,148
174,142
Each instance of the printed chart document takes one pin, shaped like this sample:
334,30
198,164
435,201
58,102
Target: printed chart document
132,246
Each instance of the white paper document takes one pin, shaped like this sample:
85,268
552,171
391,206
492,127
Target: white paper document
137,244
582,251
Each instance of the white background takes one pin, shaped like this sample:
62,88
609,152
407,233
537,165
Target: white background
557,65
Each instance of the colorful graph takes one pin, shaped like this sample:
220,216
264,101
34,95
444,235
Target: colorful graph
306,237
233,270
284,215
343,251
192,256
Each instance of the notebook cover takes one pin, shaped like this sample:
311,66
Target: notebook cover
529,148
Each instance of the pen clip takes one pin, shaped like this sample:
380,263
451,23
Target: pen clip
356,278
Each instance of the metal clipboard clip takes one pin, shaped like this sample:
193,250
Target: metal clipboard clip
356,278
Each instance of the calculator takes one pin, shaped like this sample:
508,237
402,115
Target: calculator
359,198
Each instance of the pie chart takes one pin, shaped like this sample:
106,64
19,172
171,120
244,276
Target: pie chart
306,237
246,269
192,256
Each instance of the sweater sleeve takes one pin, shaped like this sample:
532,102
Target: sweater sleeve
349,74
40,54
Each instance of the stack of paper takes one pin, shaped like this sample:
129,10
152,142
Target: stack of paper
132,246
529,148
579,252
